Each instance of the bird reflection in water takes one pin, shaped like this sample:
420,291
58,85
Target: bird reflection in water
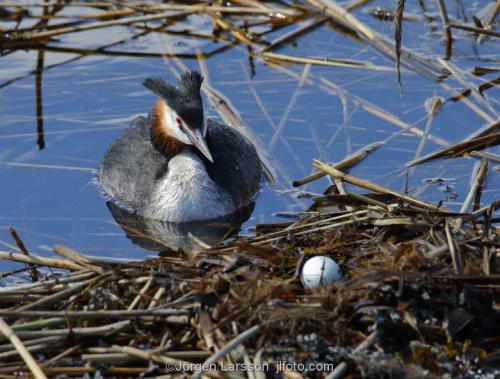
171,239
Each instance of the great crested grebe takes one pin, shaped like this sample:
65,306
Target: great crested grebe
176,165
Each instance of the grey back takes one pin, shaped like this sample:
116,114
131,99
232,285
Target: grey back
236,166
130,167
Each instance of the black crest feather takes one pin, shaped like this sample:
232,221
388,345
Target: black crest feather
186,93
160,87
190,82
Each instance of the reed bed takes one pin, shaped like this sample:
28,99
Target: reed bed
421,284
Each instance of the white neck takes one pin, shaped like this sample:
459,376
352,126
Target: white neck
187,193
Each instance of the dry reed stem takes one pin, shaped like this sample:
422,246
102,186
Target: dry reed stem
345,164
53,283
488,22
482,154
479,176
62,355
152,356
96,25
22,248
460,148
293,229
341,189
109,313
480,112
51,262
341,368
91,4
484,130
398,36
56,297
329,87
306,27
475,29
372,186
226,349
326,62
76,257
460,77
446,27
435,106
454,251
90,331
143,290
23,352
203,8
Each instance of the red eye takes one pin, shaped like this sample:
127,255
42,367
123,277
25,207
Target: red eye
179,122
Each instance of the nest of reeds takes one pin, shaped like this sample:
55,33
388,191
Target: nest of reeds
419,298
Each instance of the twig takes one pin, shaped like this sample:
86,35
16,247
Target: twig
470,28
341,368
22,248
62,355
57,283
139,296
446,26
239,339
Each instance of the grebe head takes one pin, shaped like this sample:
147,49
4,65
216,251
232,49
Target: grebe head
177,117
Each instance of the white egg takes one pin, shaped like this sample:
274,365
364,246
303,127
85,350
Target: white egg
320,271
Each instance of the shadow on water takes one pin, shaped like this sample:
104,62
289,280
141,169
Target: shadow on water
85,87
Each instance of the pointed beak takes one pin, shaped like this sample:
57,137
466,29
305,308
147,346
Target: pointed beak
199,142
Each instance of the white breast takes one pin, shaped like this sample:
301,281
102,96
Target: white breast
186,193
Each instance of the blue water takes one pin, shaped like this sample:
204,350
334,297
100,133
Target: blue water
48,194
